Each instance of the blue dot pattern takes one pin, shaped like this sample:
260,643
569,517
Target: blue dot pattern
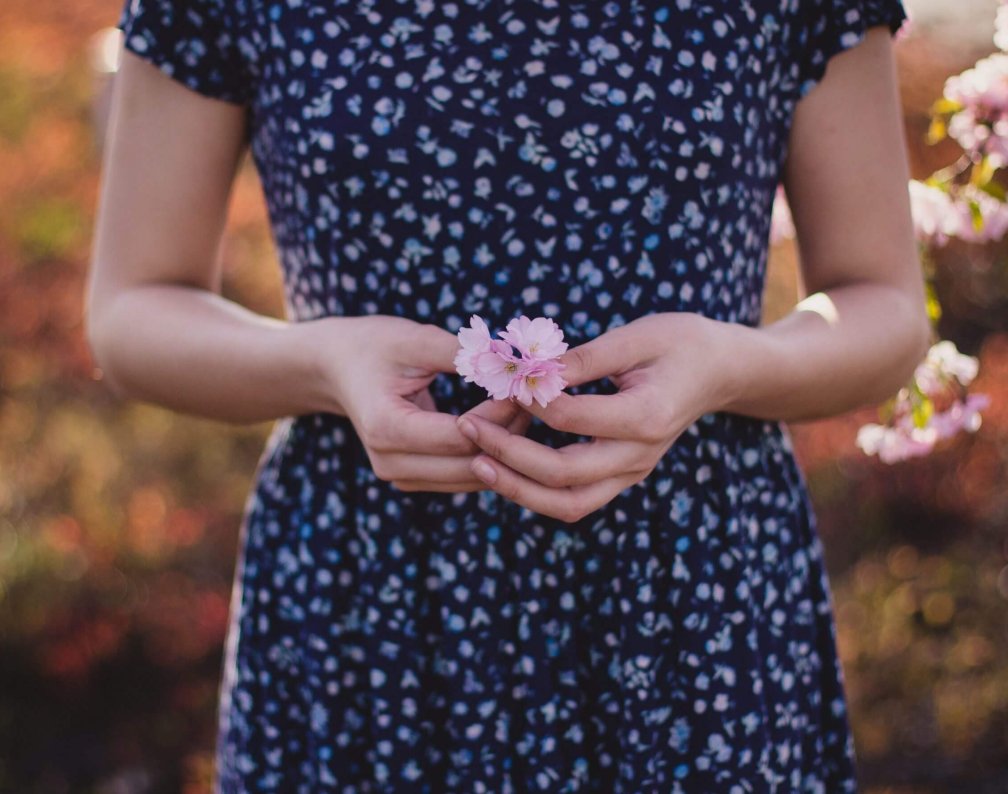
592,162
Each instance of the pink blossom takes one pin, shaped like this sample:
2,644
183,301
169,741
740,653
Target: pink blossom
474,341
894,443
944,373
497,370
982,123
962,415
942,363
983,86
538,379
492,363
1001,27
994,215
939,215
538,339
979,130
934,215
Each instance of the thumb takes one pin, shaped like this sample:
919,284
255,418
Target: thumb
431,349
500,412
610,353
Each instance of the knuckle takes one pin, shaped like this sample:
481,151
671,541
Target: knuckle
554,477
381,468
571,514
373,434
560,419
654,432
495,447
582,359
664,419
510,490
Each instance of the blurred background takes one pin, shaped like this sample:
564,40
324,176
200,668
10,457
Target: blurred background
119,522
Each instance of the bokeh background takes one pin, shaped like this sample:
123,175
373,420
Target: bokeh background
119,521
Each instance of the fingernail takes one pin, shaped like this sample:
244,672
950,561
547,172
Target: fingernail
468,428
484,471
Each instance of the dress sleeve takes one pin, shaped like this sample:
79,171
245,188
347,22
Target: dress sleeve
831,26
192,41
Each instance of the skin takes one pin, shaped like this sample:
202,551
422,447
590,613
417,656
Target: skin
161,332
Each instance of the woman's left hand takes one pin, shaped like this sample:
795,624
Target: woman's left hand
670,368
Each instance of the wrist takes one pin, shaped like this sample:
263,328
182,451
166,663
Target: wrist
738,354
314,344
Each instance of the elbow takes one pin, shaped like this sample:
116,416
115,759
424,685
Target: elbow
100,336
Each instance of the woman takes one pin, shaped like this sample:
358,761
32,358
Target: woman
428,603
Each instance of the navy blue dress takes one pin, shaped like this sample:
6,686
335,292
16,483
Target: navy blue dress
588,161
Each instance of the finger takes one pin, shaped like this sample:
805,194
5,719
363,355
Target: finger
500,412
429,349
566,504
623,415
423,399
520,424
574,464
404,427
611,353
409,466
469,486
506,413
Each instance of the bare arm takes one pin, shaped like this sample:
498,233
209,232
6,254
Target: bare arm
862,327
161,332
157,325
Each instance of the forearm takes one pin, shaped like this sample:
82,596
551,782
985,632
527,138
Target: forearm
194,351
840,349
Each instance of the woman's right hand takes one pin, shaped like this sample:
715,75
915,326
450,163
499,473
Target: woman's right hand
379,368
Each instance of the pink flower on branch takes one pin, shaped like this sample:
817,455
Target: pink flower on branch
935,406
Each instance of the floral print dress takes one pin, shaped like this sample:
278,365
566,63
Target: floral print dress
587,161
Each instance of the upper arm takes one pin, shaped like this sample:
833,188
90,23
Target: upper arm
169,162
846,175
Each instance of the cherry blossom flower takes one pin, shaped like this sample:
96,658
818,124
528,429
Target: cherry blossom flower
1001,27
943,362
939,215
984,86
492,363
894,443
994,214
474,341
916,425
539,339
539,380
962,415
934,215
903,440
497,370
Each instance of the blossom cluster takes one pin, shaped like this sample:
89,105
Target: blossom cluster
970,214
981,92
917,423
491,363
